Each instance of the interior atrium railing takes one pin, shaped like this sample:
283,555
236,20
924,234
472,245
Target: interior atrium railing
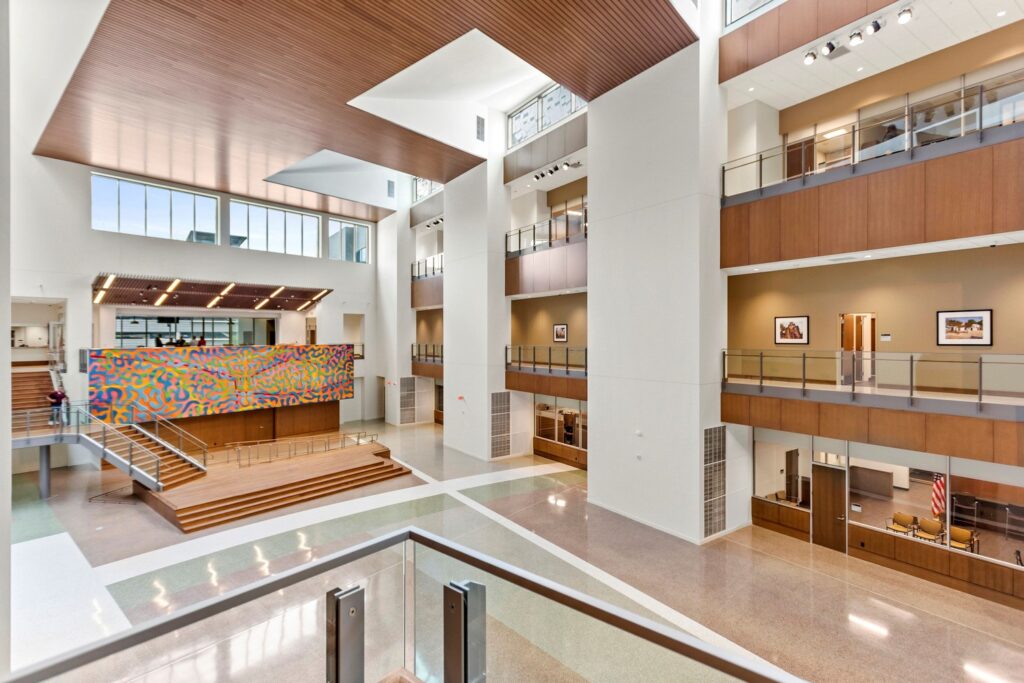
950,375
428,353
358,351
544,234
428,267
563,360
408,603
967,111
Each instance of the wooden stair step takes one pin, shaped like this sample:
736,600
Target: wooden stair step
231,515
234,501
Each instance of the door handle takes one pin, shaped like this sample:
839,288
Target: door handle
841,519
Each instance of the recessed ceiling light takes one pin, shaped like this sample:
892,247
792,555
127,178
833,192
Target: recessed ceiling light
856,38
834,133
905,15
262,304
859,69
109,281
174,285
809,58
277,291
828,48
873,28
227,289
163,298
1001,13
750,89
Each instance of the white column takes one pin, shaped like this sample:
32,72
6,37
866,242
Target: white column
656,297
396,321
476,218
5,351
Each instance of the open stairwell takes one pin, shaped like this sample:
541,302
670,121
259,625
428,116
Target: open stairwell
175,469
30,389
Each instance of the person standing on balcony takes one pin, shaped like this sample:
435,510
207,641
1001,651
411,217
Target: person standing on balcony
57,398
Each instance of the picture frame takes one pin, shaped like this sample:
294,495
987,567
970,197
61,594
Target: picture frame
964,327
560,333
793,329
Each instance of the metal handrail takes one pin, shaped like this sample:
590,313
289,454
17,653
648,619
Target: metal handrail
427,267
967,101
308,446
545,361
681,643
177,435
428,353
548,236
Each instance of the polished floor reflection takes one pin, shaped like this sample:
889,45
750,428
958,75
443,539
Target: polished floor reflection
813,612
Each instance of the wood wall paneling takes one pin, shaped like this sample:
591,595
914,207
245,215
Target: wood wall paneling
794,518
928,556
736,409
765,230
732,54
512,276
765,412
799,222
763,39
1008,443
958,195
877,5
560,451
576,387
843,216
834,14
798,416
870,540
843,422
435,370
735,236
961,437
1008,186
540,265
427,291
1018,584
896,207
762,509
798,24
981,573
896,428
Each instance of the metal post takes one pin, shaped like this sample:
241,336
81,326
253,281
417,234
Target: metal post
911,399
586,361
44,471
760,372
725,370
549,360
853,376
803,375
980,378
465,634
981,112
760,161
345,635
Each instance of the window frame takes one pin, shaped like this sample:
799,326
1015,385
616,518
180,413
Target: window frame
171,189
285,212
576,104
342,224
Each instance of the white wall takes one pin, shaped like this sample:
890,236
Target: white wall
6,45
656,305
753,128
529,208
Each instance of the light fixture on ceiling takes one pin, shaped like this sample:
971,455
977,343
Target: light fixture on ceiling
873,28
904,15
536,176
828,48
174,285
99,296
162,299
304,306
109,281
750,89
224,292
566,166
856,38
834,133
809,58
262,304
322,292
859,69
214,302
277,291
1001,13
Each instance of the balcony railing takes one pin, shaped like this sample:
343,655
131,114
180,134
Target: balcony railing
976,377
428,353
971,110
358,351
428,267
568,227
554,360
406,603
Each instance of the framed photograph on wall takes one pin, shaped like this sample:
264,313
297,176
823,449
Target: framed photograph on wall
560,332
794,329
964,328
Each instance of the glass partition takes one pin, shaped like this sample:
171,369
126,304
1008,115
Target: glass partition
563,420
132,332
987,510
782,467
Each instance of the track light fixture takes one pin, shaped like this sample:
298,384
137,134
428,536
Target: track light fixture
905,15
828,48
856,38
536,176
873,28
809,58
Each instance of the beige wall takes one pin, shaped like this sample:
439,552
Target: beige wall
532,319
430,326
567,192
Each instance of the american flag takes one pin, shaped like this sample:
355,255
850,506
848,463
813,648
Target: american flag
938,495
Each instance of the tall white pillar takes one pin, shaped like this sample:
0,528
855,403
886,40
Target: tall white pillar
656,297
5,351
476,218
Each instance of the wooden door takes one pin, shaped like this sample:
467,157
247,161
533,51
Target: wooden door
848,328
259,424
828,507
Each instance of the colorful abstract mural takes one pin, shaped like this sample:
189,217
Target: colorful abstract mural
185,382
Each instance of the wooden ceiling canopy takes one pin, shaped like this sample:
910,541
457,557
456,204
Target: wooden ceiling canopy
142,290
221,94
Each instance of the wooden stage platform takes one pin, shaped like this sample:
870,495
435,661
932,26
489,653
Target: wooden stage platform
229,492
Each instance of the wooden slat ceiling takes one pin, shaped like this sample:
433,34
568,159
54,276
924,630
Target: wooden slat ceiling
142,290
221,94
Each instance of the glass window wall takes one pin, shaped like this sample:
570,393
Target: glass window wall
137,208
266,228
562,420
133,332
986,510
541,112
348,241
782,467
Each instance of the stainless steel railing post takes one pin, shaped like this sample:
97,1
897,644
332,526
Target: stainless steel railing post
803,375
980,382
911,397
760,372
853,376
